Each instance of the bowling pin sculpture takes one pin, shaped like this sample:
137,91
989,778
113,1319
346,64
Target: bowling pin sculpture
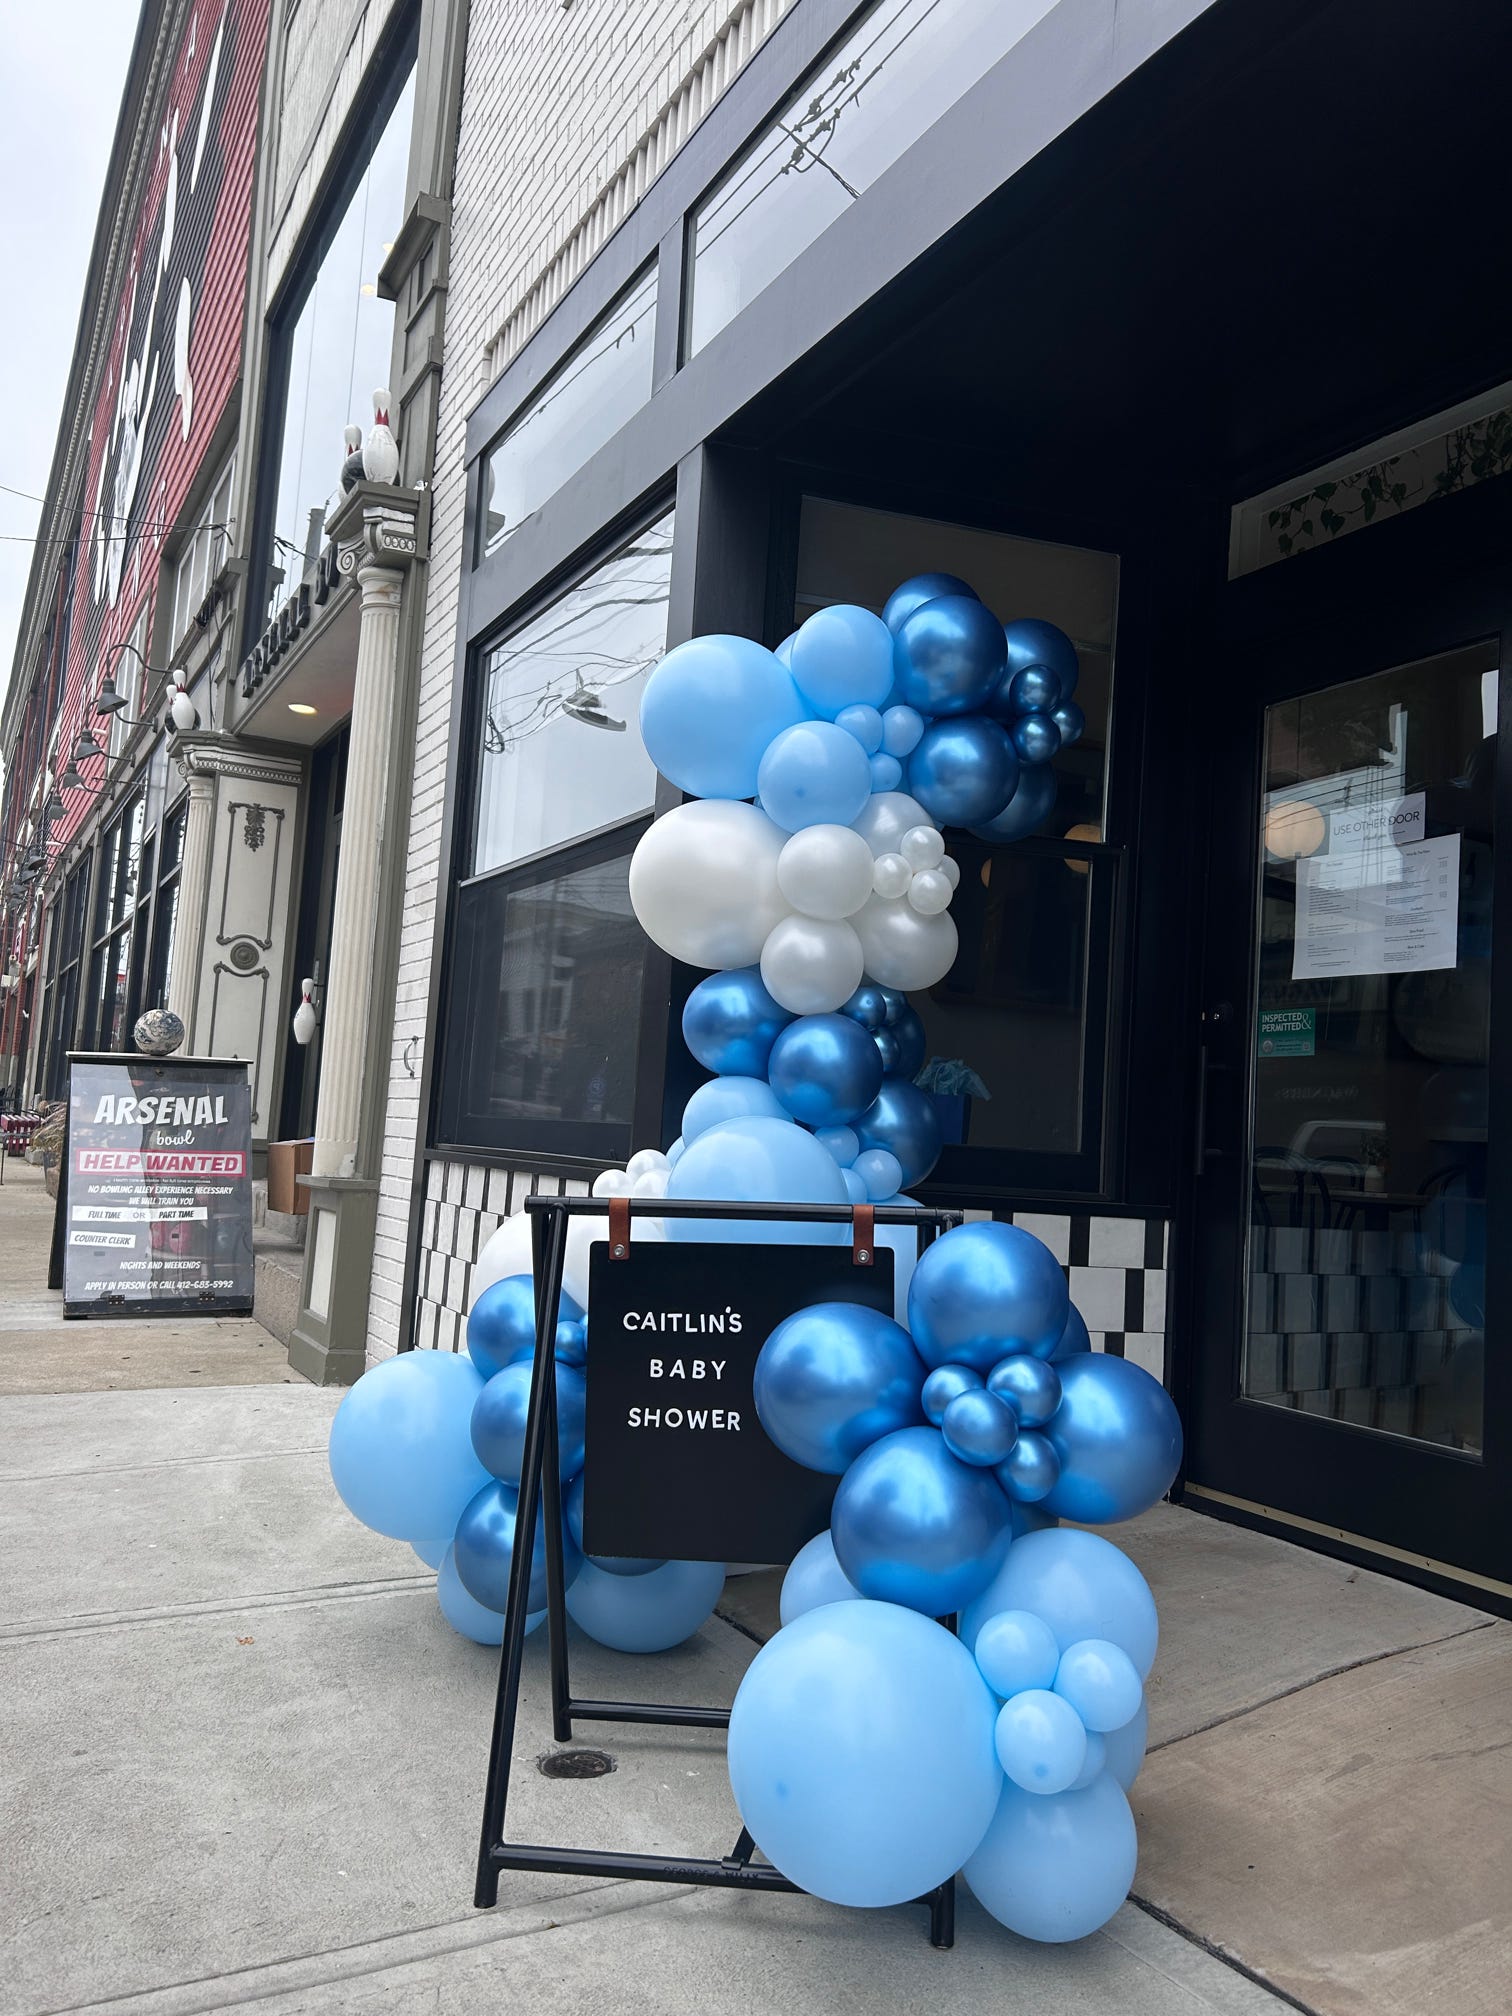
380,451
182,711
304,1015
351,468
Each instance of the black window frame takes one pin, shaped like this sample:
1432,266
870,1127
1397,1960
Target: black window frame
162,929
65,957
113,923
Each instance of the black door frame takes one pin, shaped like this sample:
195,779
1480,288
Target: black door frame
1404,590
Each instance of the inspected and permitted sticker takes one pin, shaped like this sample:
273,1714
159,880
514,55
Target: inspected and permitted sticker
1287,1032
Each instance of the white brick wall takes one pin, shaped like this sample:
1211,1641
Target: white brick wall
567,115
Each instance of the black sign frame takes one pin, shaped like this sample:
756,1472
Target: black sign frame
540,1475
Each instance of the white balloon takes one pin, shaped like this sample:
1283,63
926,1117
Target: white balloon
923,847
950,868
891,875
903,949
825,871
644,1159
929,892
812,965
508,1251
703,882
652,1182
612,1183
886,817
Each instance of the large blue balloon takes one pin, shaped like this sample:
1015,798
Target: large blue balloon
919,589
401,1456
911,1525
814,1579
832,1380
498,1421
757,1161
1032,642
728,1099
906,1122
948,656
501,1325
983,1292
861,1755
730,1023
842,657
1056,1868
645,1613
1081,1585
825,1070
964,771
1118,1437
709,710
1027,810
484,1545
611,1564
814,774
468,1617
1073,1338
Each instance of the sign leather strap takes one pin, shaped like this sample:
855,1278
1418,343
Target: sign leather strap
863,1235
619,1228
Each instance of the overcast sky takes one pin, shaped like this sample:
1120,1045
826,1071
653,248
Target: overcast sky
61,76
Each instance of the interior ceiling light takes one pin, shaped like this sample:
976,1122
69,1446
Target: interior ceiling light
302,707
584,705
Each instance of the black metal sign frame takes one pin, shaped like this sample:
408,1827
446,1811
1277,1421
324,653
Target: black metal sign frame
540,1473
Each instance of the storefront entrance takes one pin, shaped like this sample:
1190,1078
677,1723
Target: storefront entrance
1345,1190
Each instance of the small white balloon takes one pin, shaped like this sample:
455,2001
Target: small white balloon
703,882
886,817
825,871
950,868
612,1183
651,1182
812,965
643,1160
903,948
891,875
929,892
923,847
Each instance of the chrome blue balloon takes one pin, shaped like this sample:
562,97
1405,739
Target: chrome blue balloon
880,1172
979,1427
709,711
498,1421
730,1023
1118,1437
1033,689
1071,722
1029,1470
945,1384
1073,1338
814,775
908,1032
912,1525
1032,642
832,1380
484,1545
865,723
964,770
886,772
814,1579
919,589
984,1292
400,1455
571,1345
1031,1386
894,1004
1035,739
905,1122
868,1005
890,1050
1027,810
468,1617
611,1564
1098,1678
824,1070
1055,1868
728,1099
948,655
1081,1585
501,1326
842,658
646,1613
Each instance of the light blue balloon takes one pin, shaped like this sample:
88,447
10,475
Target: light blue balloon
730,1023
1118,1437
964,771
1081,1585
944,1384
1126,1747
1073,1338
1016,1650
611,1564
728,1099
674,1153
979,1428
865,723
984,1292
1097,1677
484,1545
917,590
842,657
886,773
814,774
710,709
499,1417
842,1142
1056,1868
646,1613
1041,1741
948,656
824,1071
466,1615
431,1552
833,1379
1029,1471
855,1187
1096,1761
755,1161
814,1579
1029,641
1027,810
501,1323
1031,1386
911,1525
401,1457
860,1753
906,1122
902,728
784,650
881,1172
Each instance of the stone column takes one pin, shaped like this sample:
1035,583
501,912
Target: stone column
194,891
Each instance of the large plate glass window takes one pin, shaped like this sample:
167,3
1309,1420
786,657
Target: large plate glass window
200,560
65,952
901,68
116,886
547,964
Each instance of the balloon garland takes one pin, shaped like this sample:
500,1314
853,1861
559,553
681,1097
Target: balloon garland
872,1753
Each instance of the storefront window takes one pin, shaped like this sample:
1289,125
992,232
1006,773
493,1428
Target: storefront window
336,352
120,870
65,951
165,910
901,68
599,386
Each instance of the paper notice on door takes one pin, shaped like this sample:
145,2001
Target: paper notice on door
1361,913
